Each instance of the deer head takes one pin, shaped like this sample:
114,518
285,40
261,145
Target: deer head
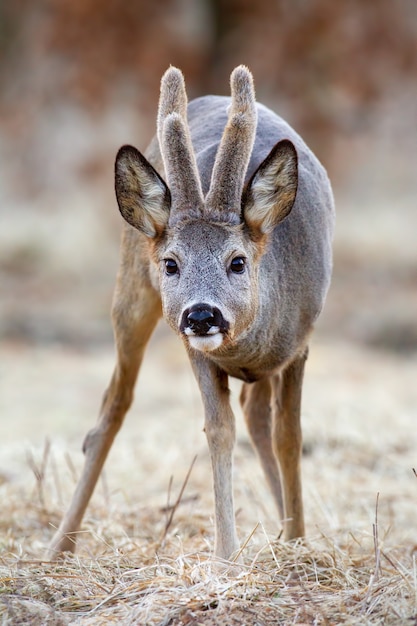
207,249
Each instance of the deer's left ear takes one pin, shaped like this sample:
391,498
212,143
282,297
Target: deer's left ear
270,193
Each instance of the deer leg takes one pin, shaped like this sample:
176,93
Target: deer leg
287,443
220,431
132,332
255,400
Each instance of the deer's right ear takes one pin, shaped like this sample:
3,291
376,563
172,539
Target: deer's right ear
144,199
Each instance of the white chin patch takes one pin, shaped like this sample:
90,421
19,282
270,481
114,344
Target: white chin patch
206,343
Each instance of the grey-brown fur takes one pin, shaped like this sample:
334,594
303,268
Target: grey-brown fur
235,252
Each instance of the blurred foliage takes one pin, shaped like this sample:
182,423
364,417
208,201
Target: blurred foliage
329,60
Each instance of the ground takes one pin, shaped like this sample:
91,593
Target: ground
355,567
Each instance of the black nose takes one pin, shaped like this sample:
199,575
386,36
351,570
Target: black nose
200,321
201,318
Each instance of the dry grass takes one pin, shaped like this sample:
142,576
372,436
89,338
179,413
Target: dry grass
132,579
144,549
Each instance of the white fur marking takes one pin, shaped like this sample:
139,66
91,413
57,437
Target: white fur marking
206,343
213,330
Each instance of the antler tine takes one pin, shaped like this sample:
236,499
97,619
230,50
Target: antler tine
175,143
173,97
236,145
242,89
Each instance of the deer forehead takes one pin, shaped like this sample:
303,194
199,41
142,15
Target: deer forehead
207,238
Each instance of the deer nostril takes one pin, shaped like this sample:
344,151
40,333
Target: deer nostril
201,320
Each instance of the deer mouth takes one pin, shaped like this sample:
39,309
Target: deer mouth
205,343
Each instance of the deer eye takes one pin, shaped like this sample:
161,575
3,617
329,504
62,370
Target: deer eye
171,266
238,265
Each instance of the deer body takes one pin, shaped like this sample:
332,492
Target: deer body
234,249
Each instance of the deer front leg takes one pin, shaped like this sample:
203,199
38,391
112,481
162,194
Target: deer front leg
132,331
287,443
220,432
255,400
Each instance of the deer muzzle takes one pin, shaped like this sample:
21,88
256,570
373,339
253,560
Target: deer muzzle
204,325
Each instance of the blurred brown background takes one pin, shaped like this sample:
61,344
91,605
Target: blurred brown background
78,78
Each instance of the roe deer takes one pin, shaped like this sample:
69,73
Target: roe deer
234,250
